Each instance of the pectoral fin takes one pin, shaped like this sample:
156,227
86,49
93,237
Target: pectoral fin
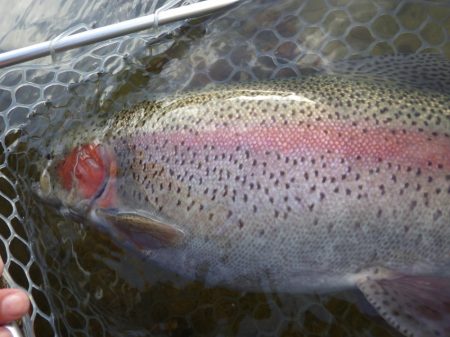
142,230
418,306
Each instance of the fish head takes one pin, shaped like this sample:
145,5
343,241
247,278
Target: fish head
81,184
81,178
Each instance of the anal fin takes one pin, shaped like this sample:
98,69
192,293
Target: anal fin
418,306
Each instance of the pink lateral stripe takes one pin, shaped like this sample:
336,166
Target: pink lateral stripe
344,140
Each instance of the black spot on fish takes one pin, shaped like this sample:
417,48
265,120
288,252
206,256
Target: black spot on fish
437,215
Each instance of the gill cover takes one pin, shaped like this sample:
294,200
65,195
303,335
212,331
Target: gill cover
89,171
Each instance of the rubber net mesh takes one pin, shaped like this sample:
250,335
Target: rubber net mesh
80,283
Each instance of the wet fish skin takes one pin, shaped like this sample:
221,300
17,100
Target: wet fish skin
232,168
293,185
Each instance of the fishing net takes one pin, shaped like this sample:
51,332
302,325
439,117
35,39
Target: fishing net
79,282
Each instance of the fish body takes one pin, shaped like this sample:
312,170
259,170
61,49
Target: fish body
294,185
330,184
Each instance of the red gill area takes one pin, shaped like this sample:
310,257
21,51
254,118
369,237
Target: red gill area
343,139
89,169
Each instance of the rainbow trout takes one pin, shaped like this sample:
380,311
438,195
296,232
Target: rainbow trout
311,185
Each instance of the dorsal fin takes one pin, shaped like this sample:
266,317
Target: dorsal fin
422,71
